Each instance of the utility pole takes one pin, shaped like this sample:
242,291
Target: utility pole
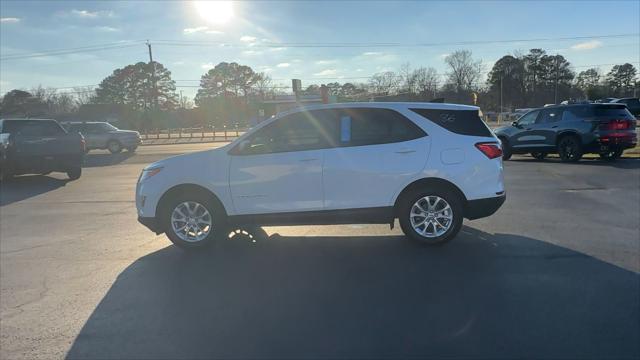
153,77
556,92
501,96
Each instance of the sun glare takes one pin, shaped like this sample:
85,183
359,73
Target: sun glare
215,12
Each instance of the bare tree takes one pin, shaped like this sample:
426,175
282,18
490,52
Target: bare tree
464,72
263,85
84,95
407,78
384,83
425,80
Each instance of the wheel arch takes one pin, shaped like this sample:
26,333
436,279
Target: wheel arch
183,189
566,133
429,182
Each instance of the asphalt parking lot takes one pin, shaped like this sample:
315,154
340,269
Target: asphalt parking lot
555,273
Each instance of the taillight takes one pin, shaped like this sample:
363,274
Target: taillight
491,150
622,124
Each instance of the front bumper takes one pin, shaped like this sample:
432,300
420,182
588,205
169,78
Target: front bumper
151,223
480,208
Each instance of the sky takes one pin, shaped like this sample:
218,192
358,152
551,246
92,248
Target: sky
316,41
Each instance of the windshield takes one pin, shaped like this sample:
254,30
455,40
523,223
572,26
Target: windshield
106,127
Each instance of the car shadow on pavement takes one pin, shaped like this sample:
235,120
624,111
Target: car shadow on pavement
105,159
480,296
622,163
23,187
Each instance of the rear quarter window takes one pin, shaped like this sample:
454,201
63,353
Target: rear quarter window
601,112
463,122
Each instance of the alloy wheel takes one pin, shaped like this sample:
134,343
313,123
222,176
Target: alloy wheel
431,216
191,221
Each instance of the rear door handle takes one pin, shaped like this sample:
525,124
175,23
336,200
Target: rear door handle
406,151
309,159
554,126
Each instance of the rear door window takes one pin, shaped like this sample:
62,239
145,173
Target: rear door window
370,126
548,116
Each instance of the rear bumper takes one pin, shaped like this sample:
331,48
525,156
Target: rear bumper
480,208
151,223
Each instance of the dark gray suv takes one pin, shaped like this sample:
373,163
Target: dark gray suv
102,135
571,131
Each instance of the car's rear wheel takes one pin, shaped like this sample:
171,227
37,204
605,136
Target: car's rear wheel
539,155
114,147
192,222
611,155
570,149
431,217
74,173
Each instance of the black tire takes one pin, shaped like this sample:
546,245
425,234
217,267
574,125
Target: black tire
570,149
217,214
539,155
132,148
74,173
114,147
506,149
5,175
612,155
404,214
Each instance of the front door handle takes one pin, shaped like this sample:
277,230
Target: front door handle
528,129
554,126
406,151
309,159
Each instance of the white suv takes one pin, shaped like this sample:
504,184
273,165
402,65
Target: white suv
429,165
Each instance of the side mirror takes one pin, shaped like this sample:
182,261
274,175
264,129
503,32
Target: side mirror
242,147
515,124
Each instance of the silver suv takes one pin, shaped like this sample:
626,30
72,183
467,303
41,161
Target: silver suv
102,135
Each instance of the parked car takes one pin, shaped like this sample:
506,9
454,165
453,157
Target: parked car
571,131
102,135
39,146
633,104
429,165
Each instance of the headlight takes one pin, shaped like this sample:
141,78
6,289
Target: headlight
147,173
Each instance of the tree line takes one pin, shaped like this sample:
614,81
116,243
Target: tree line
230,92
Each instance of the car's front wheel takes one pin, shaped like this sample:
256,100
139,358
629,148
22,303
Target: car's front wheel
432,217
539,155
114,147
74,173
506,149
192,222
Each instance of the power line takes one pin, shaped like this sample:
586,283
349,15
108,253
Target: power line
374,44
112,46
131,43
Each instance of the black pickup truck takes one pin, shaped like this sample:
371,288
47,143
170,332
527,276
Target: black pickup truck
39,146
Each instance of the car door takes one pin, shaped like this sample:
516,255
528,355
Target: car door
96,135
279,167
42,143
546,128
378,150
522,137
